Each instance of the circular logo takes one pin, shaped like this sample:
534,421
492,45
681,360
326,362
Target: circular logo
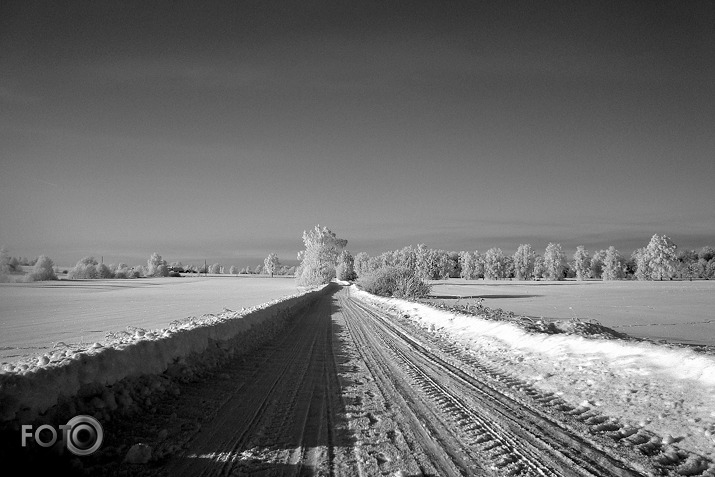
85,435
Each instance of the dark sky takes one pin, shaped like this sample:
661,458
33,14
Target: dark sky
222,130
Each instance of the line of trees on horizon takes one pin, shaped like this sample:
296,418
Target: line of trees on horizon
660,259
325,257
13,268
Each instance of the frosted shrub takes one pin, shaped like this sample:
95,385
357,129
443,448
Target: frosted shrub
119,271
156,266
84,269
399,282
233,270
104,272
43,270
136,272
215,268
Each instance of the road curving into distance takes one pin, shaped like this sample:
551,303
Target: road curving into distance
350,389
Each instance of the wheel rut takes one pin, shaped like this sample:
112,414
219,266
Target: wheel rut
350,389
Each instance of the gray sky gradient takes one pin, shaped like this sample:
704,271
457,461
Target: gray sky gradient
222,131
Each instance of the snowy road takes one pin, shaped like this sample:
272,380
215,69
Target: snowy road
350,390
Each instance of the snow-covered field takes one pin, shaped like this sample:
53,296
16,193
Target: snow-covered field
669,392
678,311
36,316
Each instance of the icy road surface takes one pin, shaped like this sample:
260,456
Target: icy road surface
352,389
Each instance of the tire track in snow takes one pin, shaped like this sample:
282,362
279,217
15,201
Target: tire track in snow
517,440
283,421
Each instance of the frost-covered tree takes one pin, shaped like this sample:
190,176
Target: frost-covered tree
85,268
233,270
423,265
320,257
407,257
4,261
643,270
103,271
554,262
361,264
709,272
346,266
258,269
156,266
524,262
706,253
494,265
613,265
687,265
271,264
119,271
661,254
443,264
453,264
582,263
468,265
509,271
42,270
539,268
215,269
596,268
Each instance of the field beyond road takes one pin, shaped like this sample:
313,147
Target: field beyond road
35,316
676,311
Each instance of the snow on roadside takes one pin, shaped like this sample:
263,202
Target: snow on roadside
89,379
669,392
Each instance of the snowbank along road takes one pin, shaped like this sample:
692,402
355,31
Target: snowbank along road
349,389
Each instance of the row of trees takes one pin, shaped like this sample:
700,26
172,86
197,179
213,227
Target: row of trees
659,260
325,257
90,268
43,268
272,267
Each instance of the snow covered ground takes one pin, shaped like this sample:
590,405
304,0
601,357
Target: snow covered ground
679,311
36,316
666,390
31,386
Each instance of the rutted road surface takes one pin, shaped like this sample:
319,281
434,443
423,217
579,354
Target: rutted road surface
350,390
